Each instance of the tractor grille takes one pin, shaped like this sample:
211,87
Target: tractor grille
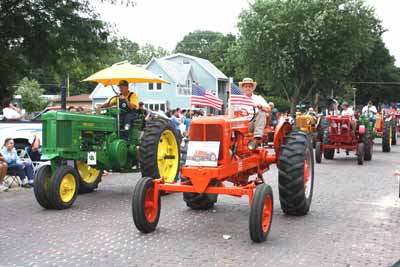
44,133
208,132
64,134
301,122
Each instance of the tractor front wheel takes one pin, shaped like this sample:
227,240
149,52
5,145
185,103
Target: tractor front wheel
89,177
318,152
261,213
360,153
296,174
41,186
64,187
145,212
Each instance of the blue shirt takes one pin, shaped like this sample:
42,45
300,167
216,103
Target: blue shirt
10,157
187,124
175,123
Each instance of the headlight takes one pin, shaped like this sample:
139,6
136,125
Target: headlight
251,145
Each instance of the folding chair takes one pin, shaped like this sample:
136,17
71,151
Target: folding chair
12,177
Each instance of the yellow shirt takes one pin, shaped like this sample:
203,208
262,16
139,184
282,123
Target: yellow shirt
132,98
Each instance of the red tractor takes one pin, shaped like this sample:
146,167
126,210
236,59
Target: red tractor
239,158
341,135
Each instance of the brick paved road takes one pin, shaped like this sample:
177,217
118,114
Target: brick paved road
354,221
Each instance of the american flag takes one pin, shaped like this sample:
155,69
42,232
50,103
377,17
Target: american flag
205,98
238,98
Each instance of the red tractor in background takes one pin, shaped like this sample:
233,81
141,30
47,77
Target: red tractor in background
242,163
341,135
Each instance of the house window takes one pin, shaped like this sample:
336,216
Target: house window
182,90
155,86
155,106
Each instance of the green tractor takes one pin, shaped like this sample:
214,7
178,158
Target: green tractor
81,146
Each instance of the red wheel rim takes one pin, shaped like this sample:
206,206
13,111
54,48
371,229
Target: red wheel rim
150,211
267,213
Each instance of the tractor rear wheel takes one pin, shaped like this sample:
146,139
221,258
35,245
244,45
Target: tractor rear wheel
64,187
261,213
386,137
368,145
41,186
394,131
201,201
323,124
89,177
296,174
360,153
144,211
318,152
159,151
329,153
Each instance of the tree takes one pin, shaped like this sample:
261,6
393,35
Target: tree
301,44
47,34
198,43
31,93
378,67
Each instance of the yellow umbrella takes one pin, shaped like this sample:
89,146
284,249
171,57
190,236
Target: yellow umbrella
124,71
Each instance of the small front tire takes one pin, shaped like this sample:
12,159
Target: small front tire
144,211
64,187
261,213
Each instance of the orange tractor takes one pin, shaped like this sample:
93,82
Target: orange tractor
239,158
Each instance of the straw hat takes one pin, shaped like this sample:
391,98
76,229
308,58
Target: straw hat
247,81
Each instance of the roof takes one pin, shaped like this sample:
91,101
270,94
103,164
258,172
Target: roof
176,71
207,65
76,98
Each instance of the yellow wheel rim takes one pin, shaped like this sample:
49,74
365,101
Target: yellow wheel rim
67,187
87,173
168,156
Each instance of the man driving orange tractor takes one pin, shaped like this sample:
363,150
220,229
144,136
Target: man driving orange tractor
247,86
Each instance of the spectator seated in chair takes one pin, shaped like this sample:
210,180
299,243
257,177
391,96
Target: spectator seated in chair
3,172
34,151
24,169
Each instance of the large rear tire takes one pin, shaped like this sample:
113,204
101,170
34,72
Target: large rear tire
202,201
318,152
360,153
394,131
296,174
261,213
386,136
41,186
144,212
329,153
159,151
89,177
368,145
64,187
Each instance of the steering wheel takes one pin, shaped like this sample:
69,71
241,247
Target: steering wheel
245,113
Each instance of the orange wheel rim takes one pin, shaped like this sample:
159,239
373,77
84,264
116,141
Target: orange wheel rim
150,211
267,214
307,180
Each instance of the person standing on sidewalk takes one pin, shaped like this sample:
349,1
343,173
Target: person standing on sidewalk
24,169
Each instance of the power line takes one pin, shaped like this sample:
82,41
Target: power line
381,83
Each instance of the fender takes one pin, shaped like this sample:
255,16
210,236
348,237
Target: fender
281,130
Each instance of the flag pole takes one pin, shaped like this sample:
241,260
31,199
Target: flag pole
230,109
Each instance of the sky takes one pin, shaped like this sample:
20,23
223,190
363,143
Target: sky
165,22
